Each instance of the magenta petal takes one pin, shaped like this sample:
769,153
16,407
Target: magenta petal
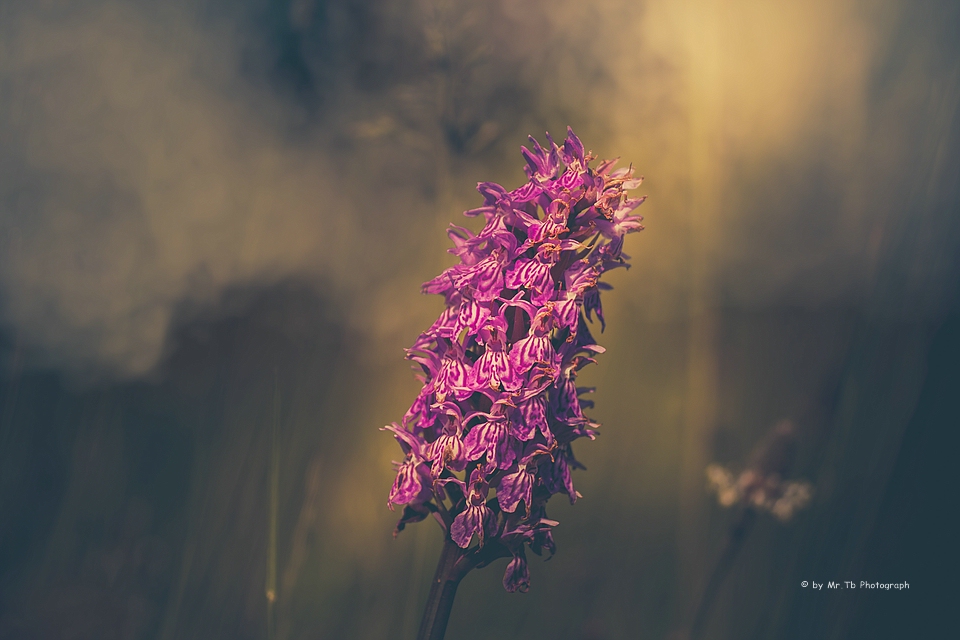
522,430
485,438
475,519
572,148
442,283
513,488
534,275
407,484
452,378
530,350
567,311
591,303
446,451
409,443
526,193
492,370
570,180
472,316
568,402
534,412
463,527
562,479
491,192
485,278
517,575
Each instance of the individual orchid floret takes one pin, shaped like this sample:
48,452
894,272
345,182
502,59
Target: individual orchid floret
489,439
409,485
516,486
476,518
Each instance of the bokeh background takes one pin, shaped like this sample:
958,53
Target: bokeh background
214,219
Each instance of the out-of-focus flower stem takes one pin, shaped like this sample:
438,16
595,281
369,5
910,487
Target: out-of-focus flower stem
738,534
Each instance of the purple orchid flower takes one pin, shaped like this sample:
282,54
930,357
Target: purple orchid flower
517,575
517,485
500,408
476,518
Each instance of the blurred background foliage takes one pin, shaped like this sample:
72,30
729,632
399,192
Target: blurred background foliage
214,220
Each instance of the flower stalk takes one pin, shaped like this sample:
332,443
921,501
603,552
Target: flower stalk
443,590
454,564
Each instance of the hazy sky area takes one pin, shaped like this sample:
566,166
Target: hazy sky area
215,217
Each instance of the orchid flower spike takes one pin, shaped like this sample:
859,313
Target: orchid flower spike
500,408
